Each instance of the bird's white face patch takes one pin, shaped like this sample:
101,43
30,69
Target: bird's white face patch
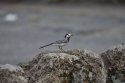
68,35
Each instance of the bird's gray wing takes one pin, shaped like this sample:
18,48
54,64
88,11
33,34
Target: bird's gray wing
60,41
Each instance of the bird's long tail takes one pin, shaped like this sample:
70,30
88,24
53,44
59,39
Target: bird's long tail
45,45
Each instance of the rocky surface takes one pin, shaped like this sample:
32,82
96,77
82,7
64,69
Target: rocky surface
114,60
76,66
73,66
11,74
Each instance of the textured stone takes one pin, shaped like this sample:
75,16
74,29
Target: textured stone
74,66
11,74
114,60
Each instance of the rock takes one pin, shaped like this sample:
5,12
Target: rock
114,60
74,66
11,17
11,68
11,74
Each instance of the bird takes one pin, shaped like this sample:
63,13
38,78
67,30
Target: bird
60,43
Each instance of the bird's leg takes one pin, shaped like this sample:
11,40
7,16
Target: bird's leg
60,47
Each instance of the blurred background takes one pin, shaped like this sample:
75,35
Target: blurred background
25,25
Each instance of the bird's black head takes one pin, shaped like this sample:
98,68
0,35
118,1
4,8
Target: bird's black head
67,36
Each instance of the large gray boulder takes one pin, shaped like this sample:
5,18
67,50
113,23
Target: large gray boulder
74,66
114,60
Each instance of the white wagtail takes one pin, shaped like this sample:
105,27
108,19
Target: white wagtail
60,43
